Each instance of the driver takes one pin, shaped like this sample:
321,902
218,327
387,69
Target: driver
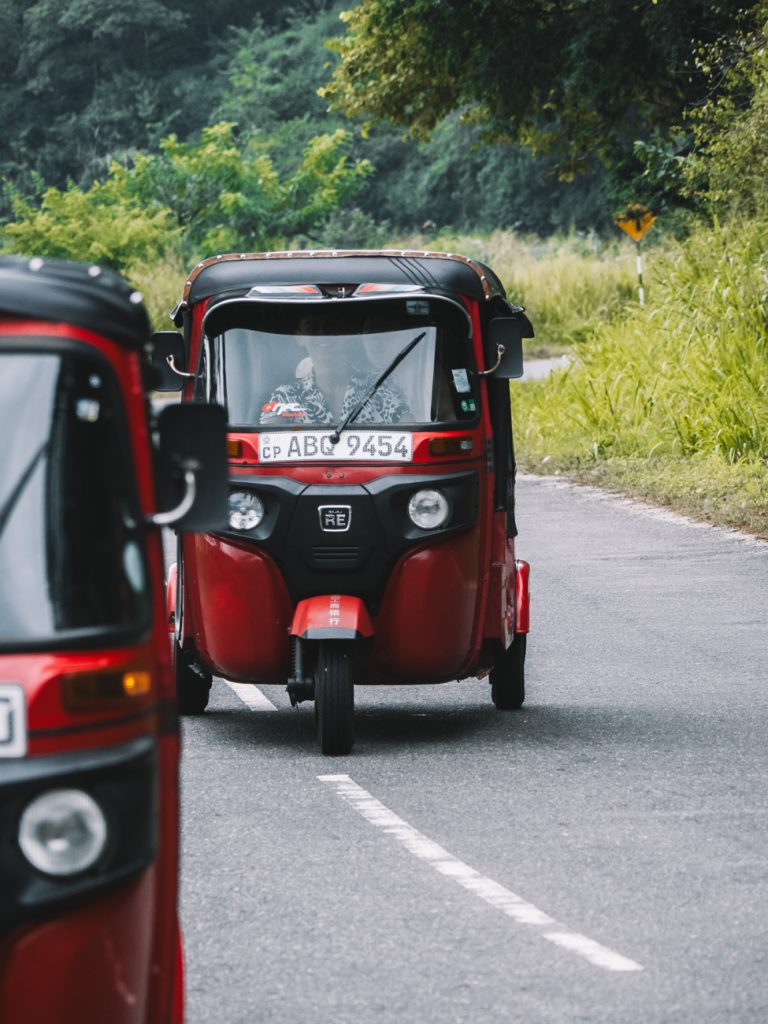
329,391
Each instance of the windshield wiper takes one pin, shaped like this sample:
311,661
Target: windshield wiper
18,489
374,388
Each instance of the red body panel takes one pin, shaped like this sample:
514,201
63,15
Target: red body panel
90,964
240,608
425,631
112,956
336,615
522,597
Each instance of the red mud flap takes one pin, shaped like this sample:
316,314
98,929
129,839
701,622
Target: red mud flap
522,597
170,598
177,1013
331,617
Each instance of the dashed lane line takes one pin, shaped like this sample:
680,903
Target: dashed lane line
487,889
252,696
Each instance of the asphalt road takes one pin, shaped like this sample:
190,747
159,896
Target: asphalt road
599,856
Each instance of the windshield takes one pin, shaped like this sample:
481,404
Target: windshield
71,559
275,365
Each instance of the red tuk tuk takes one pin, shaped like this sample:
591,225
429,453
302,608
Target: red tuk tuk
371,470
89,740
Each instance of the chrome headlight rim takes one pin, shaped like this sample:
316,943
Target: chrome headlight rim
63,832
246,511
425,517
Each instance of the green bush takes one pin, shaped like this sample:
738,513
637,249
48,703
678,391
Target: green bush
684,376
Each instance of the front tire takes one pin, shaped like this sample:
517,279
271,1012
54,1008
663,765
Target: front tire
508,676
335,698
193,684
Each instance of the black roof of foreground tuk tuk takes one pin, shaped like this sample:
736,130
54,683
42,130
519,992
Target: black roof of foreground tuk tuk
339,272
60,291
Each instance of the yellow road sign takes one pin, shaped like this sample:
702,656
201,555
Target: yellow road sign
635,220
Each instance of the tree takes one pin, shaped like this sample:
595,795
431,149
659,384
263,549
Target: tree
219,194
729,163
569,79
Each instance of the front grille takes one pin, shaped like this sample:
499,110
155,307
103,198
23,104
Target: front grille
336,557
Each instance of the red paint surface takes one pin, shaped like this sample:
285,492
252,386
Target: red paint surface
113,959
332,611
240,607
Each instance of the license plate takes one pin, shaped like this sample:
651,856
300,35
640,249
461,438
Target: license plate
13,721
353,446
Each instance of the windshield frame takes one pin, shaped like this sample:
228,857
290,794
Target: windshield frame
224,308
97,636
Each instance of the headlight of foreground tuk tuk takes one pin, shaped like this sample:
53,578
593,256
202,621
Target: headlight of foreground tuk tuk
428,509
63,832
246,510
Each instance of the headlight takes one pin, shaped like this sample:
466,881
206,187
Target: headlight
428,509
246,510
63,832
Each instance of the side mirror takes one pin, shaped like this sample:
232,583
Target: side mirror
506,335
191,474
169,360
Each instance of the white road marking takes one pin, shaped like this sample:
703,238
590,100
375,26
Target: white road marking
496,895
252,696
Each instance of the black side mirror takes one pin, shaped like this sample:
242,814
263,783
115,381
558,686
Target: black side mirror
169,360
506,335
191,475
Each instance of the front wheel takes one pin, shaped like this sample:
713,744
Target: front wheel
335,698
193,684
508,676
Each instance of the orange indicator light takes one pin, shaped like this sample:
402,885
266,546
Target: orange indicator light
137,684
450,445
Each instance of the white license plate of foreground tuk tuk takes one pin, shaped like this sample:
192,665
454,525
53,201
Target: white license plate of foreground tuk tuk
13,721
353,446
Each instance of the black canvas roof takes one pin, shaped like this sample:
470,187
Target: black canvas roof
60,291
234,274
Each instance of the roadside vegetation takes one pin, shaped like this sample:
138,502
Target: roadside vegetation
670,400
234,127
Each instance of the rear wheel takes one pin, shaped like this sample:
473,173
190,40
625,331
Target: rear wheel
508,676
193,684
335,698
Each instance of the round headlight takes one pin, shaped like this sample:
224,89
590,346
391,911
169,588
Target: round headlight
63,832
246,510
428,509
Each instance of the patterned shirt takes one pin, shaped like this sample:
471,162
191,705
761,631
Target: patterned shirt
304,402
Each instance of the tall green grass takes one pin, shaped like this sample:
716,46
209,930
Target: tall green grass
684,376
569,284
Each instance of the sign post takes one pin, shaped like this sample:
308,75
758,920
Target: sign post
635,221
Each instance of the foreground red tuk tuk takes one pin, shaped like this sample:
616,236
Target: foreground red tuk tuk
89,740
371,472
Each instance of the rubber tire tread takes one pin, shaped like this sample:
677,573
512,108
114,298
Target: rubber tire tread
335,698
192,691
508,676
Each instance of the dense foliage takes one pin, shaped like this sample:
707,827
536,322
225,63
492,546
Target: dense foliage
82,88
218,195
573,80
671,399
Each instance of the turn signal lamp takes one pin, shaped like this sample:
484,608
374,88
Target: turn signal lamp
450,445
136,684
234,449
106,690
